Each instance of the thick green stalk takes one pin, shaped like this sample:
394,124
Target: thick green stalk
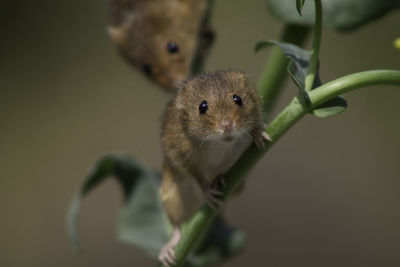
353,81
312,67
274,73
276,129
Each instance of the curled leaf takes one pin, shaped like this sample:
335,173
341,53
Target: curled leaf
330,108
297,68
141,214
299,6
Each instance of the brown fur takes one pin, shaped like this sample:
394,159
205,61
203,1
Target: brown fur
191,141
141,30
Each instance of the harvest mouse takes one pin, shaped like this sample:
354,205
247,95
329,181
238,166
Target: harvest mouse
162,38
209,122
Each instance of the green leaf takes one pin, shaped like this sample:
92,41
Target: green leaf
142,221
299,59
297,68
341,15
96,175
330,108
299,6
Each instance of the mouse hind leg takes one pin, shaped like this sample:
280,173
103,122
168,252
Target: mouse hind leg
181,197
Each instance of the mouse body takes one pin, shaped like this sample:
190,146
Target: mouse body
207,125
161,38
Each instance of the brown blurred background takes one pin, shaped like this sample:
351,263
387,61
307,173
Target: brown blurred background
326,195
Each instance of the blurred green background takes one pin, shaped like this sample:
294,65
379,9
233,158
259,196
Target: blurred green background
326,195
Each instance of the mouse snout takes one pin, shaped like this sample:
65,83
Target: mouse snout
227,126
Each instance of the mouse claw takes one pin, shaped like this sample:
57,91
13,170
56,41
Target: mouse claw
211,195
219,182
260,143
262,137
213,201
167,253
167,257
264,134
266,137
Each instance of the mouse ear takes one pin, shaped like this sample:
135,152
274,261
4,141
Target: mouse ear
241,76
243,79
117,34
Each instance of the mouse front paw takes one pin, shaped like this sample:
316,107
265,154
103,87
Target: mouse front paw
219,182
212,195
261,137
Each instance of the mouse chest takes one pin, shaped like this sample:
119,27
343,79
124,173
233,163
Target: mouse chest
218,159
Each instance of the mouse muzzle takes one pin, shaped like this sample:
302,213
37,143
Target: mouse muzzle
226,129
227,126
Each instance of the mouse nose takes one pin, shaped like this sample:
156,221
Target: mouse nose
227,126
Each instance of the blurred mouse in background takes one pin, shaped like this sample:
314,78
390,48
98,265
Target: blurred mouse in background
166,39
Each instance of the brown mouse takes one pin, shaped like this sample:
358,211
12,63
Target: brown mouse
210,121
162,38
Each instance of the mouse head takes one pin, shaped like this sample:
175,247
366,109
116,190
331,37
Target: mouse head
218,107
161,39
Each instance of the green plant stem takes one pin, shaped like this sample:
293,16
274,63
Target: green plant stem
293,112
274,73
353,81
310,77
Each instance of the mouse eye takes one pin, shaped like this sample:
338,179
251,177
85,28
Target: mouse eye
203,107
146,68
237,100
172,47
